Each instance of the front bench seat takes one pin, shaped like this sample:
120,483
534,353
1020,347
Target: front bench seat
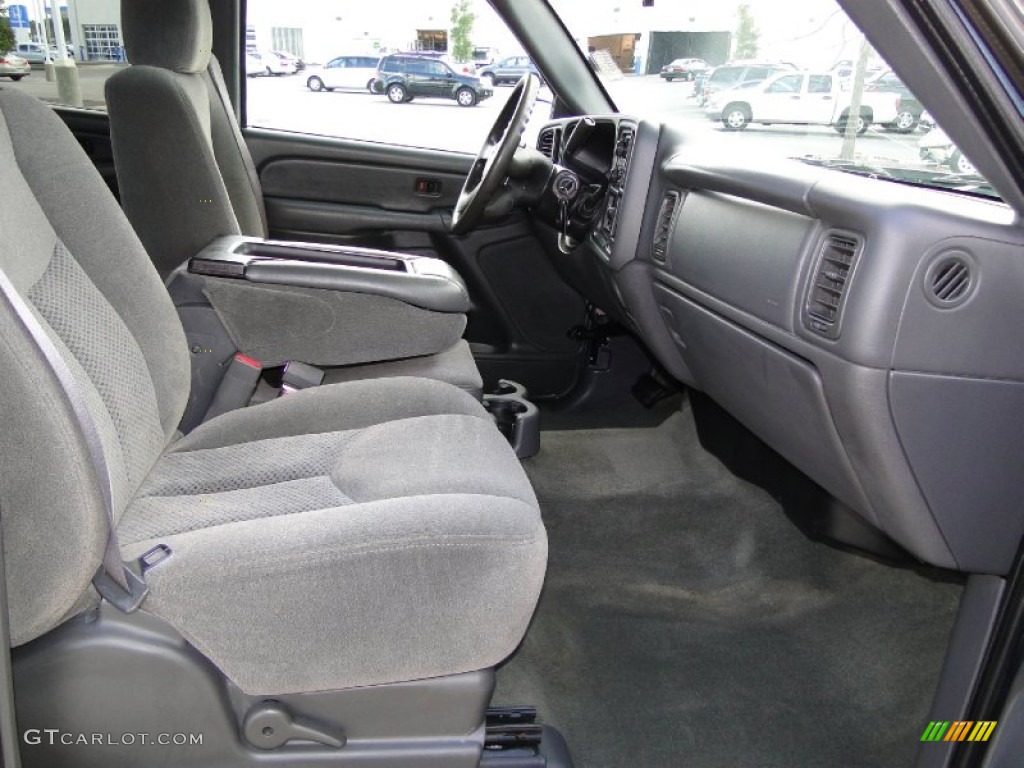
184,172
348,535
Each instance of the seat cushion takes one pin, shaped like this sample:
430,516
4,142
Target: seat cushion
347,535
454,365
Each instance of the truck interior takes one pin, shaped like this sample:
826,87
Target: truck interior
608,446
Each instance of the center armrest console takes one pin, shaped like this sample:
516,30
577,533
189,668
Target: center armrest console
420,281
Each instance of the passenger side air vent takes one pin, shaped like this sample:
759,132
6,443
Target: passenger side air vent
547,141
948,283
663,227
828,288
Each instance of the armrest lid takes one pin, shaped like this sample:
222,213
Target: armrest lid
420,281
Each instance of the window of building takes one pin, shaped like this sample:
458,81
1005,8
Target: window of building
102,42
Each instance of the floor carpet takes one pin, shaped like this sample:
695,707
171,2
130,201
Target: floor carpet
686,622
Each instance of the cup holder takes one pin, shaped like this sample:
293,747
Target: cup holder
516,417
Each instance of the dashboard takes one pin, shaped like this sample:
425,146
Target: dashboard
866,330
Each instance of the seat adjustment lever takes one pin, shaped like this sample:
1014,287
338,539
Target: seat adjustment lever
270,725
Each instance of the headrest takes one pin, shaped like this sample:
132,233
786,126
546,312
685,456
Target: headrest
172,34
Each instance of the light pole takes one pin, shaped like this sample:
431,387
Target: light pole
44,38
69,89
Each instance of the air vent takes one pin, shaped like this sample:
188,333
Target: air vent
547,141
948,283
663,228
831,278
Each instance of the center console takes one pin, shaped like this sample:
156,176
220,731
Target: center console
423,282
278,303
255,311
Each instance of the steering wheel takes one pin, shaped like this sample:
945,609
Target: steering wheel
492,163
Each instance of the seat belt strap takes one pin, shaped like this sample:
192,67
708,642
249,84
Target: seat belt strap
118,583
9,736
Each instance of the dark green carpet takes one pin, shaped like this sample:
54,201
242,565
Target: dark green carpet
686,622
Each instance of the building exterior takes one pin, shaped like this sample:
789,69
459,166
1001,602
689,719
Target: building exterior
93,27
639,38
96,29
318,30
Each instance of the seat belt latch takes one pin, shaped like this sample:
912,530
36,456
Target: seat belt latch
298,376
129,596
237,387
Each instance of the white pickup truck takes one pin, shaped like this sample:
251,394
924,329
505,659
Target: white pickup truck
803,98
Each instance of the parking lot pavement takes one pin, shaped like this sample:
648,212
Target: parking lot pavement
91,77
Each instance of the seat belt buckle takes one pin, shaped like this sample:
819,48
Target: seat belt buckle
125,600
298,376
237,387
128,597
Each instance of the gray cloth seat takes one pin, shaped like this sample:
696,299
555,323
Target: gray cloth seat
352,534
184,172
358,570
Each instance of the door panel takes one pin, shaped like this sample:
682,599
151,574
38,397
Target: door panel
331,190
359,184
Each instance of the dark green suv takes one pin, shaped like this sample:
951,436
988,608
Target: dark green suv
403,77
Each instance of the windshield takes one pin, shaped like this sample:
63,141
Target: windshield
843,106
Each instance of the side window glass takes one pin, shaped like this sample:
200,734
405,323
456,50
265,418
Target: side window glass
787,84
384,37
820,84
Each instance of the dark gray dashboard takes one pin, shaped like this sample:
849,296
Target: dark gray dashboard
867,330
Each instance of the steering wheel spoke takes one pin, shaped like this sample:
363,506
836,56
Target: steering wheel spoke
490,168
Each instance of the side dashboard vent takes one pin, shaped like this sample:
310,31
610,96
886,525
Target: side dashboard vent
949,281
547,141
663,227
831,279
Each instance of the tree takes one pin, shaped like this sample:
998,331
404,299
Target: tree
462,29
7,40
746,34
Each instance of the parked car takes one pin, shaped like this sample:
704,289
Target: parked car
345,72
36,53
461,67
738,72
254,65
846,69
484,56
14,67
684,69
403,77
272,63
802,98
509,70
936,147
908,113
290,60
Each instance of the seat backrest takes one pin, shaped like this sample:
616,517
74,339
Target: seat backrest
72,256
184,172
